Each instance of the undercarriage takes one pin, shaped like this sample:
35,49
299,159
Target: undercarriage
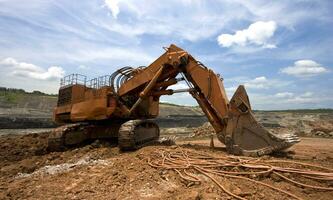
130,135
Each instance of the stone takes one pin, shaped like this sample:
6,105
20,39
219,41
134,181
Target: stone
190,184
96,144
194,195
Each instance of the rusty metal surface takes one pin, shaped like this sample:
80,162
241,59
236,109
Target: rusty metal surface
245,136
66,135
73,134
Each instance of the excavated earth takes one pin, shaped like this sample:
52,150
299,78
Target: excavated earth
100,171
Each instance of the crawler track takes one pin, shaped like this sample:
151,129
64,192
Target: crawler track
67,135
132,135
135,134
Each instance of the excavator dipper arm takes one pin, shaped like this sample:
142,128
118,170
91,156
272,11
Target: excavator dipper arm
233,121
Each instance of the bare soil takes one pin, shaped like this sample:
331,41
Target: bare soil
100,171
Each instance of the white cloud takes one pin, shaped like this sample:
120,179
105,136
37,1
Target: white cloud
113,6
307,94
288,100
257,33
284,94
85,34
304,68
178,86
285,100
262,82
289,97
127,56
287,13
258,83
83,67
183,98
169,19
179,98
306,97
207,18
32,71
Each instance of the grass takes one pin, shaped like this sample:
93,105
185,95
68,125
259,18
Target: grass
177,105
10,97
14,96
170,104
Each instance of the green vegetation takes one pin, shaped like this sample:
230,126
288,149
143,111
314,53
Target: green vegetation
5,91
177,105
170,104
13,95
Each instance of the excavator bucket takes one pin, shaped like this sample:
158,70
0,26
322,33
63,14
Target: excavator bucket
245,136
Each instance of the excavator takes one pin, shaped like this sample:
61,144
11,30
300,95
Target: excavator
121,107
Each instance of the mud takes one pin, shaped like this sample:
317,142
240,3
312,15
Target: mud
100,171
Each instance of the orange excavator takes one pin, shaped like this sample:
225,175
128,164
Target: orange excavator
120,106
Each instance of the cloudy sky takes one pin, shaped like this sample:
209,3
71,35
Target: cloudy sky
281,51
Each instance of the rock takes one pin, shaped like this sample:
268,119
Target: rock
167,141
237,191
210,196
194,195
96,144
306,191
163,172
320,133
205,130
276,177
171,190
190,184
210,189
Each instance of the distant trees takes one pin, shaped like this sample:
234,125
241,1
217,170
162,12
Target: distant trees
4,91
12,90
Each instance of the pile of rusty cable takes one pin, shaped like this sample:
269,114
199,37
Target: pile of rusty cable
183,161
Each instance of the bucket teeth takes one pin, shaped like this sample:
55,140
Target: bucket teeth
243,135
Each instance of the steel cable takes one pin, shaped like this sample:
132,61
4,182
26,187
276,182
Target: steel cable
236,167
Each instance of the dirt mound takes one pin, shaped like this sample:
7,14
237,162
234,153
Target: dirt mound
309,124
100,171
15,148
26,153
205,130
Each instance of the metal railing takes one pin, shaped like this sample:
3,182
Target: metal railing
73,79
78,79
103,81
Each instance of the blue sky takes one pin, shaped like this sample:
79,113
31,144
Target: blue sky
280,50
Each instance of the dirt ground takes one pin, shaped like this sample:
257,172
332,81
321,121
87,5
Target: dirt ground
100,171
